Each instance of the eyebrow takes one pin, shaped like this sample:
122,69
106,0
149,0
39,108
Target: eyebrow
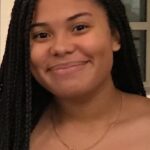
79,15
44,24
40,24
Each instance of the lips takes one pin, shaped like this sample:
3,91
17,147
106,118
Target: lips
67,65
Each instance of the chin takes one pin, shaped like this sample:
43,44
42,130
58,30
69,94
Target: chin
66,93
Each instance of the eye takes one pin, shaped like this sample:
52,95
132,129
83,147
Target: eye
41,36
80,28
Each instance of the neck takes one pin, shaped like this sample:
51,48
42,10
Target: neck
101,106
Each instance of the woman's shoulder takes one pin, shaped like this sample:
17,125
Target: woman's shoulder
134,124
132,130
136,110
135,106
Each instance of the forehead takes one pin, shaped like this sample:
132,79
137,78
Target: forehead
64,8
63,3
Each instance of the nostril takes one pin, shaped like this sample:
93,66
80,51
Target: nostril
61,53
62,49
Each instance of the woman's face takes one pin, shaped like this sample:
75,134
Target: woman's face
72,47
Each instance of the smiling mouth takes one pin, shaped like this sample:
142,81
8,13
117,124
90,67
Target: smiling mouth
68,66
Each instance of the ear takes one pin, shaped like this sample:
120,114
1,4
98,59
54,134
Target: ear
116,41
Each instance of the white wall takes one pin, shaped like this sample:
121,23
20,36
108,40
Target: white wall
5,11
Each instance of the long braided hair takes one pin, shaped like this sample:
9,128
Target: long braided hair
19,92
126,72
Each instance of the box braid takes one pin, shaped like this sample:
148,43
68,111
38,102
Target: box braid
15,77
19,109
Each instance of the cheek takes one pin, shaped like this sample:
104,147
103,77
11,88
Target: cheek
38,66
39,55
99,49
96,45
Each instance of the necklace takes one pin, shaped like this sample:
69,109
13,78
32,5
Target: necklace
96,142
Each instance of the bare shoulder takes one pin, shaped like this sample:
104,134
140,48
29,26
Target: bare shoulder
134,126
136,109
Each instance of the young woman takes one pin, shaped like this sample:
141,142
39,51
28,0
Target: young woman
70,79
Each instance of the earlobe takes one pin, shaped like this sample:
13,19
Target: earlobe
116,41
116,46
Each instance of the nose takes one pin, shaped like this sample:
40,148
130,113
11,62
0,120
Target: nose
62,46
